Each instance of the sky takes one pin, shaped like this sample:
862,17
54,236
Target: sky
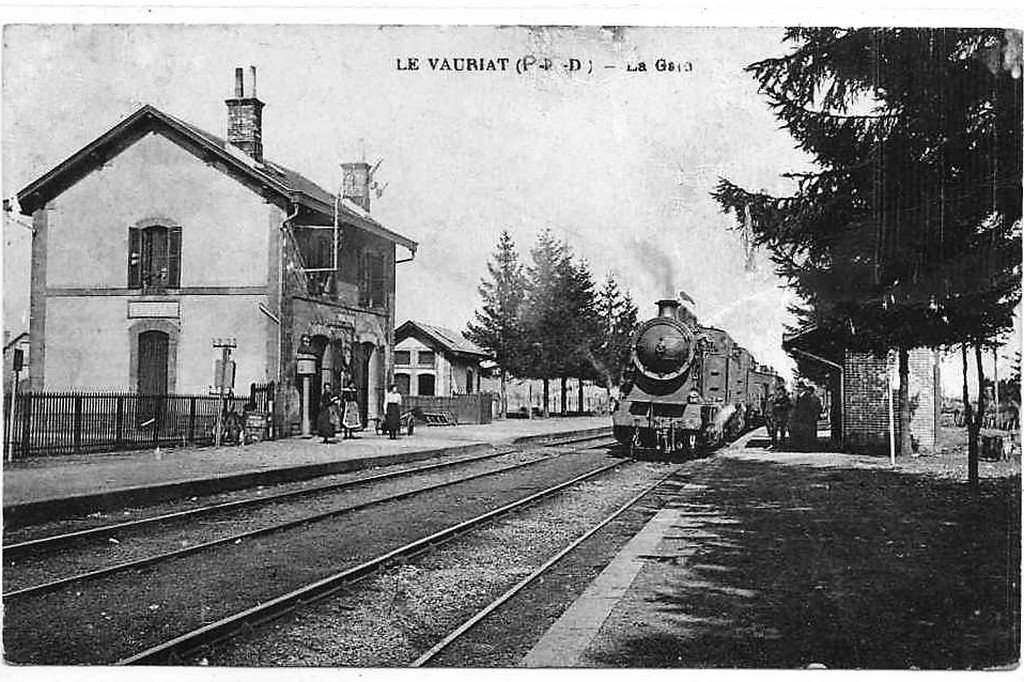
619,164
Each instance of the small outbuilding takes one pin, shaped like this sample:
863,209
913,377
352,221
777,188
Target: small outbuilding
859,385
434,361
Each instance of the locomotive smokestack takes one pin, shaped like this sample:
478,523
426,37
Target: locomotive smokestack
668,307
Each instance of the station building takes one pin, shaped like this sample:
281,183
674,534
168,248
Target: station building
158,237
859,386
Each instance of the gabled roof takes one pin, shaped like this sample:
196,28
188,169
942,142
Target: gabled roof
447,339
273,178
15,341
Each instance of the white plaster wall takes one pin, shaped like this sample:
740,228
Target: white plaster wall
414,345
224,224
88,339
206,317
86,344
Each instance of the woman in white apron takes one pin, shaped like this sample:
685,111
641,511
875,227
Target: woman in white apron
350,421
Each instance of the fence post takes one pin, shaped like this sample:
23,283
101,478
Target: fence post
192,419
26,424
119,421
77,427
157,409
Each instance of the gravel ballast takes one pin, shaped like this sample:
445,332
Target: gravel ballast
111,618
391,620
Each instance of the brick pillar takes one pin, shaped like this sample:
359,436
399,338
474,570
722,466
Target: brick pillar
924,395
865,403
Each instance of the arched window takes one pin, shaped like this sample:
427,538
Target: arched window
154,257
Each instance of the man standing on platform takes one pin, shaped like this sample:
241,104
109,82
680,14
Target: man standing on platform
805,418
778,415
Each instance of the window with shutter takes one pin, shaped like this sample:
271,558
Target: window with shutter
174,258
134,258
371,279
154,258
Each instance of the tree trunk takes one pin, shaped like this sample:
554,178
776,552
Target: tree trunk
979,419
565,395
972,434
547,394
903,397
580,395
504,395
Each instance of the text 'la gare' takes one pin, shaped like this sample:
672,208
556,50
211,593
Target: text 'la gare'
453,63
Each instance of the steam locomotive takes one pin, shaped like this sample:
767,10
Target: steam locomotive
689,387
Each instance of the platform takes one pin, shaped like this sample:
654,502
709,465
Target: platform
49,487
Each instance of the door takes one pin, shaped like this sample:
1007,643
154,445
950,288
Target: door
152,377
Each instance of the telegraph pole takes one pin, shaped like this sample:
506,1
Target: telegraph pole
225,378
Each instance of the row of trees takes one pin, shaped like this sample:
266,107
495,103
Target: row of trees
907,233
547,319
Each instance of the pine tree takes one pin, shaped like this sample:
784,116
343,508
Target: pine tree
583,328
547,329
498,327
617,314
908,233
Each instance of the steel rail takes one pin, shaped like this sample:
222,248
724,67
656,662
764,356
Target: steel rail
224,506
522,584
14,549
172,650
238,537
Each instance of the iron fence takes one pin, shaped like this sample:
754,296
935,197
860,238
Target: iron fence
47,423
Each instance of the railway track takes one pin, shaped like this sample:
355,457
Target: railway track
174,650
463,629
14,549
96,587
234,538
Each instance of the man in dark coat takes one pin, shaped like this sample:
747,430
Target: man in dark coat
805,418
778,415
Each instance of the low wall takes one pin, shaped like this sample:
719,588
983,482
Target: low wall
465,409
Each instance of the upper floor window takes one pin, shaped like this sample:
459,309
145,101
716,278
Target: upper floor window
371,280
154,257
425,358
402,357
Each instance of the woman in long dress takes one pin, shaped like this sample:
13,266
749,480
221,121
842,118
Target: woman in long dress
350,421
325,418
392,411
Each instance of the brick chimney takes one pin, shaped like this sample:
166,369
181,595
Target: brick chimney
355,183
245,117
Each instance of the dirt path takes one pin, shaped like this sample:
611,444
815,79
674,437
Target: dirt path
792,560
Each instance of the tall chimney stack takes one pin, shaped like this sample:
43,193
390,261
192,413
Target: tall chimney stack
245,116
355,183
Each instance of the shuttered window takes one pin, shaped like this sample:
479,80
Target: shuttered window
154,258
371,279
134,258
